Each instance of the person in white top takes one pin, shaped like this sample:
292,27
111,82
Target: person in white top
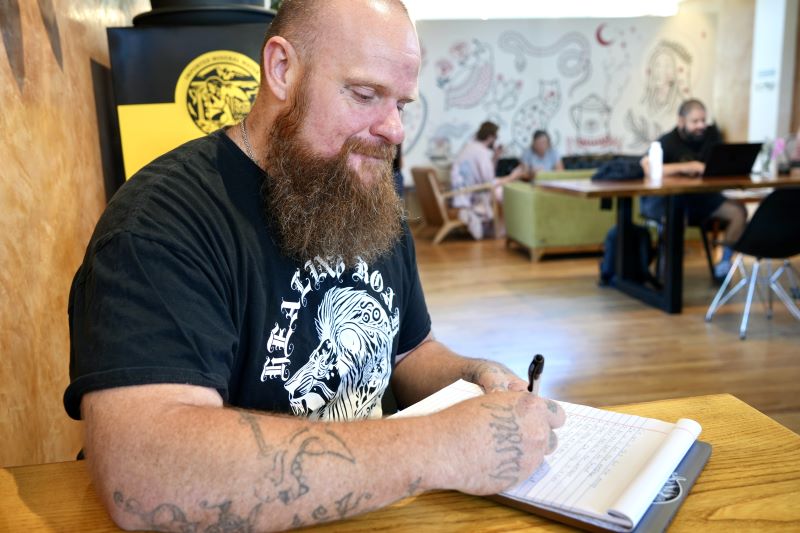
475,165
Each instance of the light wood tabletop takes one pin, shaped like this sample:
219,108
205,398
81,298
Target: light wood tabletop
751,483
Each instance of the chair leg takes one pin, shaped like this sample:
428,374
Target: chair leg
707,248
718,300
444,230
793,276
748,303
778,289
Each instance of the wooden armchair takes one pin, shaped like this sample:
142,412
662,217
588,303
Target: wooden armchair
433,202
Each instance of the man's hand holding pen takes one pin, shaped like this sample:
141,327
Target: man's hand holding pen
505,433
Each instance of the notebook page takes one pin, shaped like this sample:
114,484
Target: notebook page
580,476
452,394
636,499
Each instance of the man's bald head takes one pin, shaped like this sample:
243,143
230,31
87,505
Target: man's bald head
302,22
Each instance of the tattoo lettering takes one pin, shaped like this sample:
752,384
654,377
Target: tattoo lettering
508,442
297,522
320,514
347,505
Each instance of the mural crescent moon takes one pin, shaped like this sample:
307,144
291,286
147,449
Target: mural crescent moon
599,36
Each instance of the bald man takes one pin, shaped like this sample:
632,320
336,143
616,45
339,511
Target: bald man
247,301
686,149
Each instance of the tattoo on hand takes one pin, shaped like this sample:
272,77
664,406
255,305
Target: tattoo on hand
508,442
499,375
552,406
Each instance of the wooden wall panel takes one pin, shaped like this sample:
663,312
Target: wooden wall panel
51,194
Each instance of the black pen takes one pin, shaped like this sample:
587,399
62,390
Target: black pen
534,373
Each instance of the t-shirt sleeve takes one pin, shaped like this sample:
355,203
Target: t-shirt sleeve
415,321
142,312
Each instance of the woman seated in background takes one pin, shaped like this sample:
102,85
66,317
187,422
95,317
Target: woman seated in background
541,155
474,168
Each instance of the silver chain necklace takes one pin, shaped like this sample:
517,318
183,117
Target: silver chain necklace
247,146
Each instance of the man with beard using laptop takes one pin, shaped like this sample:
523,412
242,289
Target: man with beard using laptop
686,149
248,299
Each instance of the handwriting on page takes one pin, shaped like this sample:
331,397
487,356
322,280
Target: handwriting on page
581,471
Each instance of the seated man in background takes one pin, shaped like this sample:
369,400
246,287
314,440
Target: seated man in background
541,155
686,149
248,299
475,165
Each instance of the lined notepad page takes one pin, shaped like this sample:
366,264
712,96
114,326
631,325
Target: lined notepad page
607,465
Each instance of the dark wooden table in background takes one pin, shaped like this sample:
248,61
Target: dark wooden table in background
668,298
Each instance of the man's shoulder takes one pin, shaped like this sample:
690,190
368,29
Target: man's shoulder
672,136
173,191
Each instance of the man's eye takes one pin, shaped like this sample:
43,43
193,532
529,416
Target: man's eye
364,97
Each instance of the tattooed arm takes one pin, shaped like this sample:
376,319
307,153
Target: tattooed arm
173,458
432,366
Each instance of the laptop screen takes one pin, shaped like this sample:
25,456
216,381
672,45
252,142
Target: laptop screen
733,159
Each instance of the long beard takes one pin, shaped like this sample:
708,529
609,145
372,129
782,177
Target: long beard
693,138
320,206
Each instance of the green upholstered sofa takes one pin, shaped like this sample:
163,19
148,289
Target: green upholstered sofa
546,222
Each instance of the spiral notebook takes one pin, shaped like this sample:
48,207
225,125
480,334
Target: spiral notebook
611,471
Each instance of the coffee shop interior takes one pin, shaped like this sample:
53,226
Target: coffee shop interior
600,80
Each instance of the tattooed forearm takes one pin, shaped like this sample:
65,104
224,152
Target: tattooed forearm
284,476
507,440
286,464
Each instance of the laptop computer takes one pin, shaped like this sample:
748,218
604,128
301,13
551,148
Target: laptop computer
734,159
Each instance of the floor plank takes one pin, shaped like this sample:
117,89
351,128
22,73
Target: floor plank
603,347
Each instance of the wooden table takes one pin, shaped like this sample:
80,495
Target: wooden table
669,298
751,483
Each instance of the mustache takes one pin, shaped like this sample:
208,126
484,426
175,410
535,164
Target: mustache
377,150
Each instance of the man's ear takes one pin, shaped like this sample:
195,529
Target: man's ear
281,67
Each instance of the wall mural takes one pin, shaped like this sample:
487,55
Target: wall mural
571,50
596,87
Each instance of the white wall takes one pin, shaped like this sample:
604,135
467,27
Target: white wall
596,85
774,37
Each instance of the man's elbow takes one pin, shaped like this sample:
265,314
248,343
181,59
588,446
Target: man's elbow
120,509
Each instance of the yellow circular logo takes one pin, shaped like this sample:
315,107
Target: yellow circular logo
219,88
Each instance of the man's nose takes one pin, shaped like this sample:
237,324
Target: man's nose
390,128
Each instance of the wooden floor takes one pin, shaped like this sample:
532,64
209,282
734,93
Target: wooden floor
603,347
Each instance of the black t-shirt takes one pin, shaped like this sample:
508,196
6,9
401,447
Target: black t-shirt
183,283
679,150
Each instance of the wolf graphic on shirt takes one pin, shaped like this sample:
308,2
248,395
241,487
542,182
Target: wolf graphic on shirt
347,373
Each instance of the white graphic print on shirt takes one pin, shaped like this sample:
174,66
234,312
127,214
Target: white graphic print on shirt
346,375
